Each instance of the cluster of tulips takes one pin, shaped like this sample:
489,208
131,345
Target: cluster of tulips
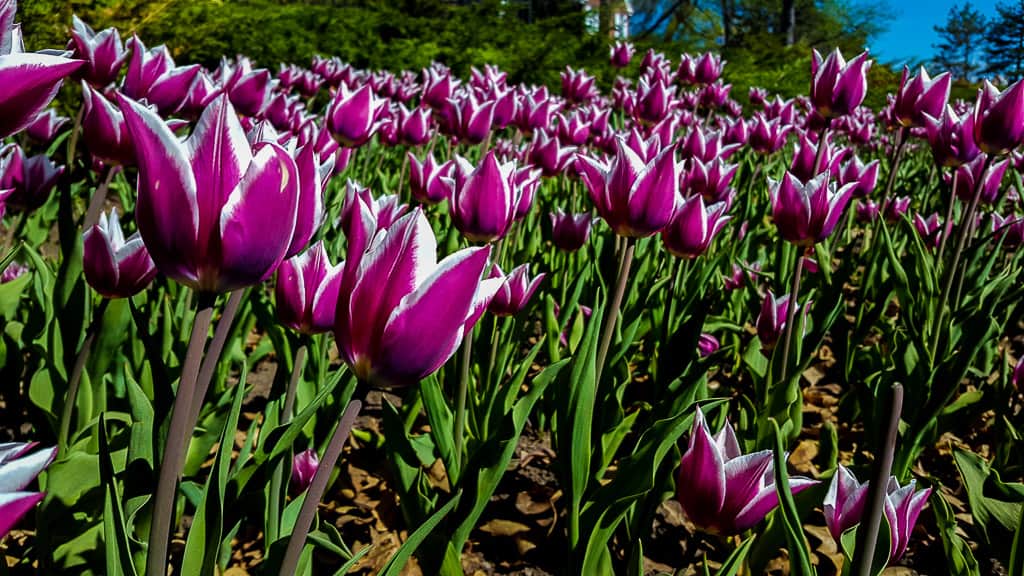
689,261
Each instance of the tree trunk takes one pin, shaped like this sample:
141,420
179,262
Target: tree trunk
726,22
787,22
604,18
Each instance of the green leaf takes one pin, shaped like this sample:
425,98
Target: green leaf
735,560
115,531
990,514
848,542
800,560
397,562
959,557
442,423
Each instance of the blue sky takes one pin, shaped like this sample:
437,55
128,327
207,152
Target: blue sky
910,35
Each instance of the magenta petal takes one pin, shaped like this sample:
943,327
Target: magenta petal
98,262
166,210
744,478
701,486
310,207
325,300
135,267
438,307
258,219
13,506
30,82
17,473
767,500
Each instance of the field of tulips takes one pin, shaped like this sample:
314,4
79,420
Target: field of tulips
327,320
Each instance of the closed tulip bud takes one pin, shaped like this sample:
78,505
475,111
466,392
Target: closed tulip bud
304,466
103,52
693,227
31,179
711,180
951,138
806,214
758,96
846,498
113,266
549,155
353,117
654,102
515,292
705,146
714,96
393,292
968,176
722,490
438,86
635,198
216,213
569,232
621,54
483,200
18,469
999,118
738,132
249,90
307,291
427,179
470,118
574,130
920,95
772,320
707,345
803,166
838,86
46,126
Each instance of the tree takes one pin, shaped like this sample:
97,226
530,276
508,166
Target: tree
961,37
1004,51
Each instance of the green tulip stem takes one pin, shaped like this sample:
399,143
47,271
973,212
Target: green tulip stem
867,533
822,144
317,486
76,377
943,237
460,407
178,435
897,156
76,131
791,312
209,365
612,315
966,226
277,480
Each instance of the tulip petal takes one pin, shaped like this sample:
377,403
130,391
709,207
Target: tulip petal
701,484
258,219
438,307
30,82
15,505
18,473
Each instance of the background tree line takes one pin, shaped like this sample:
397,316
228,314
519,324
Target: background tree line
767,42
971,45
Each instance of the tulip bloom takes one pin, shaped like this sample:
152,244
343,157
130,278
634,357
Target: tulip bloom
570,232
844,506
549,155
968,176
515,292
46,126
353,117
483,201
215,213
920,96
707,345
30,82
103,129
838,86
384,210
393,292
307,291
636,199
17,469
693,227
30,179
807,213
767,136
103,51
427,179
621,54
999,118
304,466
931,230
951,138
772,320
113,266
863,176
722,490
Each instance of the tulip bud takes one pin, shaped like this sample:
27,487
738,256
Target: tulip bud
772,320
920,95
353,117
46,126
951,138
427,179
807,213
621,54
838,86
103,52
569,232
31,179
707,345
304,466
999,118
515,292
482,198
113,266
693,227
307,291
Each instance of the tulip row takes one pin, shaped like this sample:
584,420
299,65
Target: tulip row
672,262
